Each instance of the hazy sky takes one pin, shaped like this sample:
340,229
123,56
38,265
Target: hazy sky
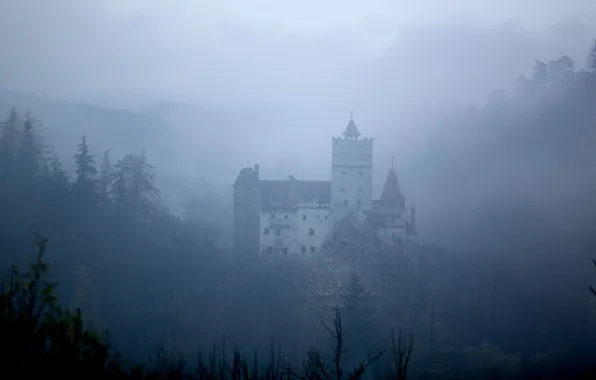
268,51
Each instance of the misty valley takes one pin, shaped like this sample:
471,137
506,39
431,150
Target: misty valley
119,264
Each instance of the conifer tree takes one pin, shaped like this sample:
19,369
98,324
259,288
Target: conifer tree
29,155
85,162
84,187
56,170
8,144
359,316
134,186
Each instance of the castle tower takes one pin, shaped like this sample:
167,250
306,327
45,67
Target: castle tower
351,170
247,212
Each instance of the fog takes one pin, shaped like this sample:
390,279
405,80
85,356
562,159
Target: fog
493,150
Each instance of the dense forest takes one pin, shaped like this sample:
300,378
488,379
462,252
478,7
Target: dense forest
150,282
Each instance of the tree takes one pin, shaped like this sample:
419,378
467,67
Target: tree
8,144
106,175
134,185
561,70
29,154
38,336
360,319
56,170
85,162
592,56
540,75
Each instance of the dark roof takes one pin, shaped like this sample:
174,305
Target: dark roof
287,193
351,129
391,195
247,177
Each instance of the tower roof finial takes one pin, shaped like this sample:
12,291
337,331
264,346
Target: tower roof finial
351,130
392,162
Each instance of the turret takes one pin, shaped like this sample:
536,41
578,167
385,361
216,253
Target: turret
391,195
247,212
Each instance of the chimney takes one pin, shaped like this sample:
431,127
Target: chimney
292,188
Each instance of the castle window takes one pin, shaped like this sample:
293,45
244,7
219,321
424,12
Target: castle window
266,232
325,217
311,232
269,249
318,216
303,249
343,172
286,216
359,189
358,202
345,202
343,189
303,216
312,249
284,250
272,215
278,231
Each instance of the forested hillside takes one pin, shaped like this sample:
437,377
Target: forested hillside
153,279
522,161
64,122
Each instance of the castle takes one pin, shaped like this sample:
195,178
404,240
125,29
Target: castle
294,217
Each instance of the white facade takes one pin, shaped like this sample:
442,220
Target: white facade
351,173
301,232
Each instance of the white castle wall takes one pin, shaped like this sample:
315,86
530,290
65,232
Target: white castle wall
295,233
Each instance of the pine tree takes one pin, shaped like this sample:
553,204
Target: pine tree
57,176
359,315
85,162
133,185
84,186
8,144
56,169
29,155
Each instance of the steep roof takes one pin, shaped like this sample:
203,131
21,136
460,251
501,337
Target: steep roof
351,129
391,195
287,193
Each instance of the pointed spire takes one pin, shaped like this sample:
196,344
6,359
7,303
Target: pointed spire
391,195
351,130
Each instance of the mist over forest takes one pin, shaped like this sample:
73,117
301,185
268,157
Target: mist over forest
124,133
